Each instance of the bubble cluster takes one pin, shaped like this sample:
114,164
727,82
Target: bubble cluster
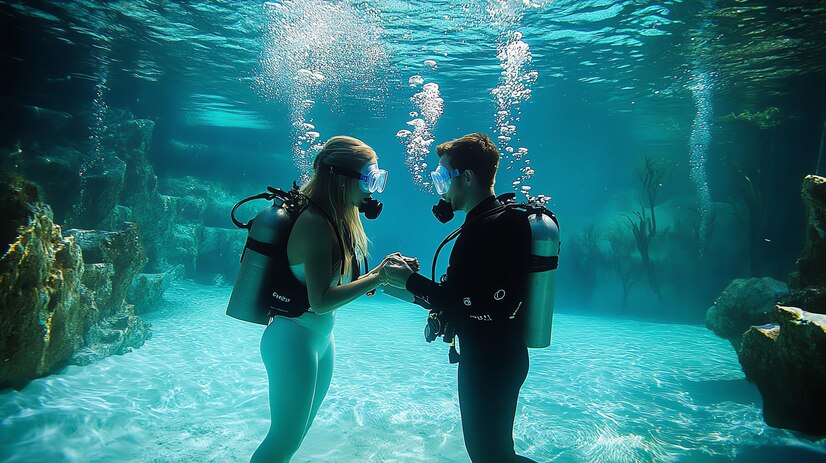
515,81
97,128
314,49
507,14
702,89
429,107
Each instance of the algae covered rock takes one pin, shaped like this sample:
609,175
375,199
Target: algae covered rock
43,308
122,249
59,305
787,363
744,303
113,260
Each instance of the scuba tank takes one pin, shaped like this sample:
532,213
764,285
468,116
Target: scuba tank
262,289
539,306
265,286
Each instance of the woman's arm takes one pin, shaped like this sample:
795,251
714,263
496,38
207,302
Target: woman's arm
315,244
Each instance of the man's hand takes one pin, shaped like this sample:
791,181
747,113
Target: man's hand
395,272
411,262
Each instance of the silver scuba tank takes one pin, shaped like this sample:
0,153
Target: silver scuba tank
539,310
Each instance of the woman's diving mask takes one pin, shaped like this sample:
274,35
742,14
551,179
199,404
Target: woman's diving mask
371,179
441,178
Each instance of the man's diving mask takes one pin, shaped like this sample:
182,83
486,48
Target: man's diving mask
441,178
371,178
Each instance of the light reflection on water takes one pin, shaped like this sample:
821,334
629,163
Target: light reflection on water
606,391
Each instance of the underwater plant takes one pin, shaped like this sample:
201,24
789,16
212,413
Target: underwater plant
619,261
765,119
584,258
644,226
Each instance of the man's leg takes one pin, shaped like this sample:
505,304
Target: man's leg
488,391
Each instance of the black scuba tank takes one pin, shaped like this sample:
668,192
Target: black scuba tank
265,286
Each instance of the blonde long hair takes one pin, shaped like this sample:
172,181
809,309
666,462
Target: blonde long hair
325,187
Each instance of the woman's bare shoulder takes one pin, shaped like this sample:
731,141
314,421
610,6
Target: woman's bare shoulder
312,225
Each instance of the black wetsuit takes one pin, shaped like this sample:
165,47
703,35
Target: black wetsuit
482,295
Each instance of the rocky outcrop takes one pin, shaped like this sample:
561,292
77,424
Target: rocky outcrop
101,187
147,289
55,170
115,184
113,260
122,250
199,233
43,319
784,351
61,305
744,303
787,363
808,284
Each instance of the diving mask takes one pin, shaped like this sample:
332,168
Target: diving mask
441,178
371,178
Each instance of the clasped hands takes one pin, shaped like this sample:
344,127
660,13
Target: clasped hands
395,269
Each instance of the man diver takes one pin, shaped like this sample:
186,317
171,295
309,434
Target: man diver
480,295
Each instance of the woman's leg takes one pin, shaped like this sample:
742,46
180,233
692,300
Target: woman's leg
290,355
326,360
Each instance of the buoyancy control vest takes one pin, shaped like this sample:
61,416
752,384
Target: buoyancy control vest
266,286
541,286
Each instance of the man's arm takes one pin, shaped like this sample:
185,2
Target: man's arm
487,284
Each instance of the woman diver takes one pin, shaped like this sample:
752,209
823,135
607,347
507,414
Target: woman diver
298,352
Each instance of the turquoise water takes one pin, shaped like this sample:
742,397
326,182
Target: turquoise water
606,391
728,94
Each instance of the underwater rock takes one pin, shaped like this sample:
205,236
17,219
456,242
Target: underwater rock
97,278
184,209
146,292
808,284
197,229
44,317
116,334
217,201
810,299
112,261
130,141
180,247
744,303
218,208
219,255
187,186
787,363
39,127
122,249
117,219
186,153
55,171
101,187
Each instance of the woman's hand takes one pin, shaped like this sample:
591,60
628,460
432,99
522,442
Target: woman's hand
395,272
411,262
